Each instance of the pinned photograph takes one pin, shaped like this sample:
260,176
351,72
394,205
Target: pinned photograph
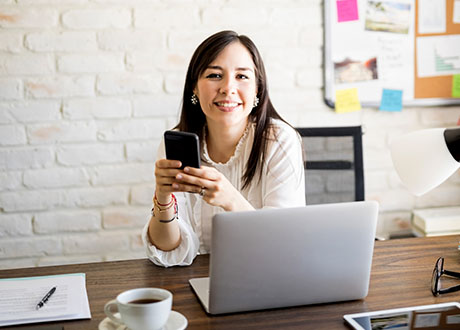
387,16
353,70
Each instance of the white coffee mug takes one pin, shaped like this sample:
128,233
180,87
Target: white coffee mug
141,309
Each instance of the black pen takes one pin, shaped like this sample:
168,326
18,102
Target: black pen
45,298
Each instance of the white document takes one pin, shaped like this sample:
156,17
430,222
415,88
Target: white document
438,55
456,15
19,298
431,16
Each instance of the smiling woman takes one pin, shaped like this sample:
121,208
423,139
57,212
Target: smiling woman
251,157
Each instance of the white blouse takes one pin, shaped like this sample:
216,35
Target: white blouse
282,185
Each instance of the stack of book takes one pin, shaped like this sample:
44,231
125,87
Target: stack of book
436,221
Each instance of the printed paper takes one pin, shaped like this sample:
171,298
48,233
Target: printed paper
431,16
438,56
456,14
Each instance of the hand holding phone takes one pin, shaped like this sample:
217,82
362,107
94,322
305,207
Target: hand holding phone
183,146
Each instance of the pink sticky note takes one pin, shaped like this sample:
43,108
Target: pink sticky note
347,10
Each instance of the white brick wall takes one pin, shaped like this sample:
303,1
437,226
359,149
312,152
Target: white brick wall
87,88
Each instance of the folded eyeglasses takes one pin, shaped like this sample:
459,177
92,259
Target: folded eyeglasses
438,271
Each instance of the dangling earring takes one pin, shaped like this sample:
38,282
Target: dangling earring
194,99
256,101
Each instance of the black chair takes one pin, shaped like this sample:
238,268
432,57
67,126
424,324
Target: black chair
333,160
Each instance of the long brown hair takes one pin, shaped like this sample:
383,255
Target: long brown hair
192,118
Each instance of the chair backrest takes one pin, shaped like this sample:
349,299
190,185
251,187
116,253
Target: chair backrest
333,161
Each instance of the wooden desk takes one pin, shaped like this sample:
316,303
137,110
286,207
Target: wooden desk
401,274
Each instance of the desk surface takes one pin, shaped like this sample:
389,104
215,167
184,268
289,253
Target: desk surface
400,277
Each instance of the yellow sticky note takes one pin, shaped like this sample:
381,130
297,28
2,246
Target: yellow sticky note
456,85
346,100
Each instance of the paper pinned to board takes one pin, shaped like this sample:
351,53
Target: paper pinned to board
20,296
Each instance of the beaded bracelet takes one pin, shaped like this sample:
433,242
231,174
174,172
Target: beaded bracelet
167,207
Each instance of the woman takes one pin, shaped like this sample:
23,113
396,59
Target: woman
251,157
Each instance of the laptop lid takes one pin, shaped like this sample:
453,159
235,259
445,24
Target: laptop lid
274,258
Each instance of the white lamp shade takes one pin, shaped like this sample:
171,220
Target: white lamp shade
423,160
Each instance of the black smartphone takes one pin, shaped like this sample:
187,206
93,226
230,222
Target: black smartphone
183,146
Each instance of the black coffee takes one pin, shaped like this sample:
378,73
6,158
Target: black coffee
145,301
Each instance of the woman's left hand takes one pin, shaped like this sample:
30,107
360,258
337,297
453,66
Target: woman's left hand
213,186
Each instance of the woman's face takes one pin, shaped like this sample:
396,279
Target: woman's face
227,88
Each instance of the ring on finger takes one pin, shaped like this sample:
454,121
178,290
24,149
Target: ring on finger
202,191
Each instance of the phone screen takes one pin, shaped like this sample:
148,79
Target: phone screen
183,146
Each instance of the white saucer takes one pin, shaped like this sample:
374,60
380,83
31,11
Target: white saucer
176,321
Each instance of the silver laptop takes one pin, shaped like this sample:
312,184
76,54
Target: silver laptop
274,258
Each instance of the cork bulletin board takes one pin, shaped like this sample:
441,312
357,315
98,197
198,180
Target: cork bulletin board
408,45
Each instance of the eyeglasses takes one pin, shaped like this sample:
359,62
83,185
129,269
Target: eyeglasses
438,271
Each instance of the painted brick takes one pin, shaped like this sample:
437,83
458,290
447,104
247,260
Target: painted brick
128,83
151,61
443,195
185,16
248,16
27,157
66,221
17,263
295,16
91,63
125,217
440,118
68,260
12,225
141,151
133,129
33,200
29,247
157,106
67,41
174,83
395,223
33,111
309,78
99,197
391,119
11,42
142,194
97,18
121,174
55,178
10,89
49,2
376,181
23,17
10,180
11,135
96,243
28,64
186,40
123,40
74,131
97,108
125,255
60,86
393,200
89,154
311,36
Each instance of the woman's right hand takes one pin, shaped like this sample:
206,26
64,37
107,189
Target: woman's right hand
165,173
